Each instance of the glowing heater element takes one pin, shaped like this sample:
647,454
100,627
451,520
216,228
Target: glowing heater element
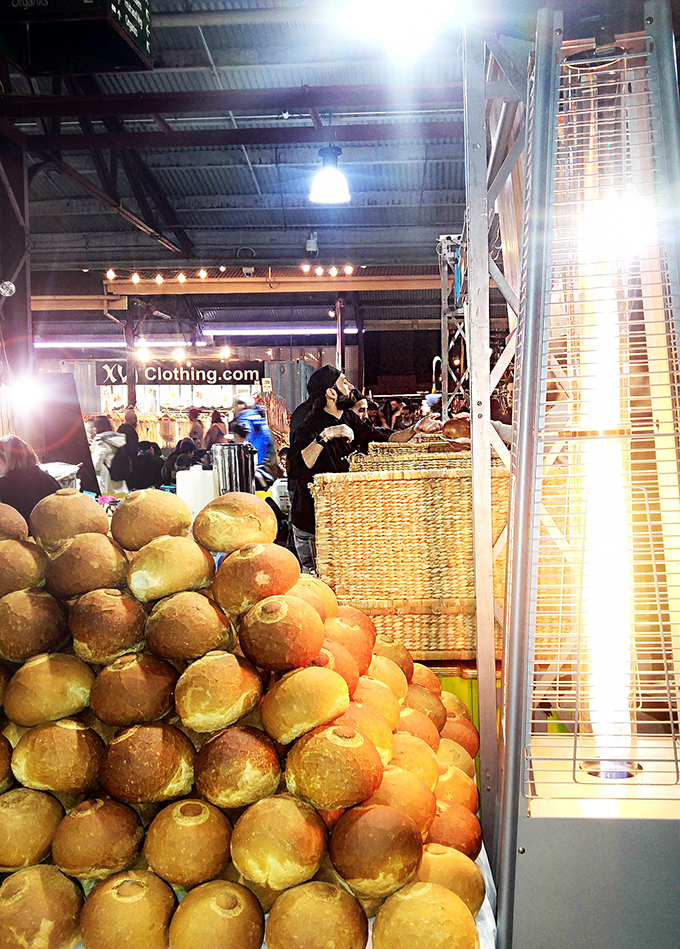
329,185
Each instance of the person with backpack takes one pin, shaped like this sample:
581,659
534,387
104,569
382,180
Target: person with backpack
254,418
112,463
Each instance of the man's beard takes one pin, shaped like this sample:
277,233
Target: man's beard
345,401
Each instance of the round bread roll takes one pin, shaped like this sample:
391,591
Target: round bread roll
59,756
39,907
426,915
301,701
83,563
105,624
187,626
338,919
235,520
408,793
372,725
28,823
253,573
334,656
455,785
425,701
450,752
188,843
48,687
355,617
415,755
5,676
455,706
305,592
389,646
413,722
319,588
168,565
133,689
237,767
389,673
264,895
30,622
380,697
281,633
328,874
97,837
12,524
6,776
62,515
279,842
148,763
353,637
333,766
454,870
215,914
144,515
216,691
463,732
456,826
129,910
426,678
22,566
376,849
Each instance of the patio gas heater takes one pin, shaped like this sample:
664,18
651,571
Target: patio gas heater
589,851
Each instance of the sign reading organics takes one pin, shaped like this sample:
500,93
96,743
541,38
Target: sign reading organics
201,372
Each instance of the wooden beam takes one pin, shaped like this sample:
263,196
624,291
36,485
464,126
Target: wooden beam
284,284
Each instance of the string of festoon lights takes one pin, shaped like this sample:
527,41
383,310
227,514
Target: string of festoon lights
182,276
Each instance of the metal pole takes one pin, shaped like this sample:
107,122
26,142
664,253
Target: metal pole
16,329
541,135
131,356
340,341
477,336
444,335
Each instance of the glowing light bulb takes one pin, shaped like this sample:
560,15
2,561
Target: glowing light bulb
349,270
331,313
143,355
222,268
305,268
181,278
159,279
319,271
110,274
225,351
202,273
135,278
333,271
178,354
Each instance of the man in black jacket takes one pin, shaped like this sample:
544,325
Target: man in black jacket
322,443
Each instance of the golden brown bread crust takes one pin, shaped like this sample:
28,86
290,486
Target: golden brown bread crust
426,678
454,870
425,701
380,697
388,672
322,590
372,725
281,633
415,755
47,687
387,645
336,919
237,767
98,837
188,625
168,565
414,722
12,524
219,913
129,910
28,822
83,563
216,690
152,762
253,573
64,514
106,624
353,637
22,566
463,732
408,793
303,700
235,520
133,689
188,843
61,756
39,907
143,515
354,617
456,826
31,622
333,655
455,785
426,915
450,752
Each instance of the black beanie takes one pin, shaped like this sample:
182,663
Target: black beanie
324,378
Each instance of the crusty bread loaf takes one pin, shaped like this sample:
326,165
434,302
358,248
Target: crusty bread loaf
455,785
450,752
168,565
279,842
321,589
22,566
336,918
354,617
31,622
12,524
380,697
237,767
59,756
219,913
39,906
389,673
408,793
413,722
281,633
461,730
389,646
375,849
217,690
333,766
334,656
187,626
97,837
353,637
372,725
106,624
454,870
188,843
415,755
235,520
6,776
133,689
425,701
153,762
47,687
129,910
253,573
303,700
28,822
456,826
426,678
426,915
143,515
64,514
311,596
455,706
83,563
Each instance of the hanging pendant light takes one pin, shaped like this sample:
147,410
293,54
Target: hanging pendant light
329,185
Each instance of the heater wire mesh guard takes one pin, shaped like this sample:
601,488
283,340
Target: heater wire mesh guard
605,667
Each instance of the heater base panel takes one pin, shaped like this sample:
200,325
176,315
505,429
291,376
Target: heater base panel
582,883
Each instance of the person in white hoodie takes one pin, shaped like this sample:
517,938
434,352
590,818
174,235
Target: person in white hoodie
103,447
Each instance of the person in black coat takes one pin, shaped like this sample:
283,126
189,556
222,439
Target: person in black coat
22,482
146,468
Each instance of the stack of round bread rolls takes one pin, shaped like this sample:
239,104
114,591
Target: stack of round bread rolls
230,738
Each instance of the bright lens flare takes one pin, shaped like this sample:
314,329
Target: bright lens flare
403,28
178,354
617,226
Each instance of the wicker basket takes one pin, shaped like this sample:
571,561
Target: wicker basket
398,545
